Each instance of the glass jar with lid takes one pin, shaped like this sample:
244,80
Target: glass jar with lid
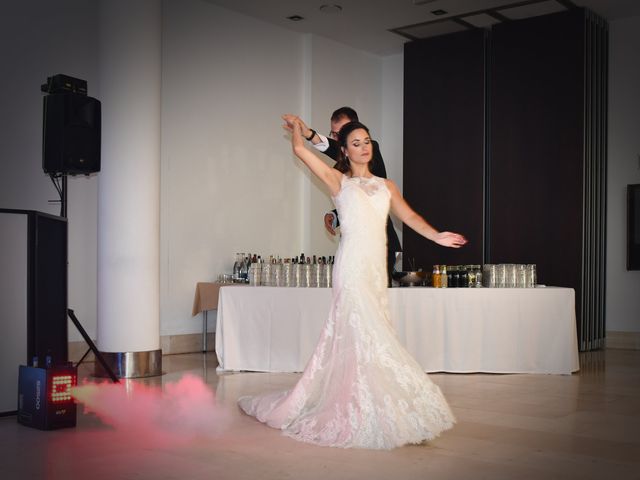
471,276
478,269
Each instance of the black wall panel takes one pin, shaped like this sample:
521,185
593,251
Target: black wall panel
444,142
537,126
505,141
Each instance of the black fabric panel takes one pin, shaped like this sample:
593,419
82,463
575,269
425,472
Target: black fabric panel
443,144
535,211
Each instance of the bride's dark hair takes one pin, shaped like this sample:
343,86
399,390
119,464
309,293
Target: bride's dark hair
342,162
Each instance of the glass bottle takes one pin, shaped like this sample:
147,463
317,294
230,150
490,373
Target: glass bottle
435,277
265,277
455,276
244,269
236,267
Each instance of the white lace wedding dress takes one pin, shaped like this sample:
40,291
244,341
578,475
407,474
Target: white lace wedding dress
360,388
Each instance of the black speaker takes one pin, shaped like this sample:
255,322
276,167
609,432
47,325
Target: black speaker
71,134
47,288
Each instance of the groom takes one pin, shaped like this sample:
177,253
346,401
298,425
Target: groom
330,147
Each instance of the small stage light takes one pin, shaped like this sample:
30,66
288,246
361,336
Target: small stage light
44,397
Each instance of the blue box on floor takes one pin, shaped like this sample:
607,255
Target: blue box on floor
44,397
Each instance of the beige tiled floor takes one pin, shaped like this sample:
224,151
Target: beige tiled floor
583,426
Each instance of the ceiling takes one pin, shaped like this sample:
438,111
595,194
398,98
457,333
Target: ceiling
383,26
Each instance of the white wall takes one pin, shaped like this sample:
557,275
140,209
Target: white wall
391,144
229,181
623,287
39,39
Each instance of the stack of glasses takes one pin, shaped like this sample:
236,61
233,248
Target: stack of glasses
300,271
509,275
289,274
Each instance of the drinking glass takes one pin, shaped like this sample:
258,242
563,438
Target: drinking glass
531,275
521,276
501,275
278,279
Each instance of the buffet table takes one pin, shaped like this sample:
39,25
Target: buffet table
205,299
506,330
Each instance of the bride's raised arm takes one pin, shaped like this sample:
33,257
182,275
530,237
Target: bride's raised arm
410,217
329,176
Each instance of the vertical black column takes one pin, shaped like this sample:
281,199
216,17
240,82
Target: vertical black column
591,327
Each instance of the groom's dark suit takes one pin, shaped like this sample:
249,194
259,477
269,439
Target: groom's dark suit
378,169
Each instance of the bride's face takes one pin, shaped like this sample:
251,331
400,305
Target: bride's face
359,148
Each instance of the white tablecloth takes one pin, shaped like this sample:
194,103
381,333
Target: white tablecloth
275,329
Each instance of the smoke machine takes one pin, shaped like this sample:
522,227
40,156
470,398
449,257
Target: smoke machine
44,396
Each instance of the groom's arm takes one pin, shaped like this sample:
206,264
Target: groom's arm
328,146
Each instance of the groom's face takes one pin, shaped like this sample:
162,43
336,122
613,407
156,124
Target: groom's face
336,125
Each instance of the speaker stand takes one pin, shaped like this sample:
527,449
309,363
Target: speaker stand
63,197
92,347
72,316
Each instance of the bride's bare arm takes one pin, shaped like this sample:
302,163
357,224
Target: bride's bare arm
409,217
329,176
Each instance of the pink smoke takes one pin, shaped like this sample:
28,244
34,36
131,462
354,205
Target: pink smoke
184,409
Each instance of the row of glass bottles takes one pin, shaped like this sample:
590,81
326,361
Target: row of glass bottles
490,275
456,276
315,271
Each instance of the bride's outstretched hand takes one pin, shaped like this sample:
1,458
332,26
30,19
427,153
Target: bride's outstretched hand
450,239
289,120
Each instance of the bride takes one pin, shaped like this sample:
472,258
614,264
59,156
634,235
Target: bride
360,388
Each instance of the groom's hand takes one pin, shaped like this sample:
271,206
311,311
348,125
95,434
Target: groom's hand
328,223
290,119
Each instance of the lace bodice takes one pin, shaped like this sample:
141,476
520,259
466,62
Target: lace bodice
363,207
370,211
